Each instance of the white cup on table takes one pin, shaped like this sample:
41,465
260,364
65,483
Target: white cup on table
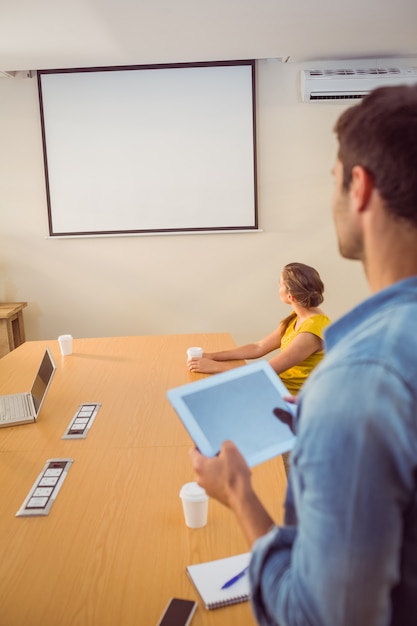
194,352
65,344
195,505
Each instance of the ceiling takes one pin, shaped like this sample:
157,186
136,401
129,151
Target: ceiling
51,34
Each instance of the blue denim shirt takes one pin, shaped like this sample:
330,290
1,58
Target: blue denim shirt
347,555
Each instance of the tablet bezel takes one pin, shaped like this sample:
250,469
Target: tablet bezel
178,395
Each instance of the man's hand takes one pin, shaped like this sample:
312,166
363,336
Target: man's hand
285,417
222,476
227,478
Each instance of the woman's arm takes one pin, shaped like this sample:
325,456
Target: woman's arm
301,347
215,362
250,350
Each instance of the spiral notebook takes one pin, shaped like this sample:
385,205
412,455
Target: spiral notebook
209,578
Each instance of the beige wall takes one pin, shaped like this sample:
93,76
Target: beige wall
136,285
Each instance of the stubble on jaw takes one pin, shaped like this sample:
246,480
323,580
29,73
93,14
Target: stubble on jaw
348,236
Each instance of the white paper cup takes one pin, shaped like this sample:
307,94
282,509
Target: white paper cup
194,352
65,343
194,504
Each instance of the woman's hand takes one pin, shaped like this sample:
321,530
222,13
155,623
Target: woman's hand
204,365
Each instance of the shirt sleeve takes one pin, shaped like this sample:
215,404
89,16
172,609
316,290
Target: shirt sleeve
351,485
270,563
315,325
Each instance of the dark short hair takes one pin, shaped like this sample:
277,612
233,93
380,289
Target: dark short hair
380,134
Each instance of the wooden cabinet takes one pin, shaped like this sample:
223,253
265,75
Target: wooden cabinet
12,330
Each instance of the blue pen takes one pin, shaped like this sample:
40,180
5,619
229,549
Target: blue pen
233,580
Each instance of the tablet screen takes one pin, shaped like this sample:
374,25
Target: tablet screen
239,407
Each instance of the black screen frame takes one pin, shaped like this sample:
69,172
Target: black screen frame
212,227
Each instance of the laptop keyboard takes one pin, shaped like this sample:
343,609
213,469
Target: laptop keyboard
13,407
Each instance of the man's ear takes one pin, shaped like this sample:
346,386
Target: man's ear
361,188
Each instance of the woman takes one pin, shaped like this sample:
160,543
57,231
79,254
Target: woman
299,336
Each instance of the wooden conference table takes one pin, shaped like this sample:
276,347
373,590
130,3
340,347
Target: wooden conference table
114,546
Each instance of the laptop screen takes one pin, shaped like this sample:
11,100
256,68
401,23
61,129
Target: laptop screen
42,380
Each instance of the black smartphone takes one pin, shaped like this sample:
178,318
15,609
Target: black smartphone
178,613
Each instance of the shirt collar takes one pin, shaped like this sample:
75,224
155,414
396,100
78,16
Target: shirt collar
402,291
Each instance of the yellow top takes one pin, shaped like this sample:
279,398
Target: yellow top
295,377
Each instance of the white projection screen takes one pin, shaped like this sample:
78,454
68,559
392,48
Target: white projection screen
150,149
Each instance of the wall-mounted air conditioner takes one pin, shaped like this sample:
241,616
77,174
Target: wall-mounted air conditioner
351,84
24,74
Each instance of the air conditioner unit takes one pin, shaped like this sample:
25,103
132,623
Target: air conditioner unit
350,84
18,74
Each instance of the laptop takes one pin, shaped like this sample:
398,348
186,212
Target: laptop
237,405
24,408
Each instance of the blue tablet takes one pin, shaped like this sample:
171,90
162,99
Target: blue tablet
237,405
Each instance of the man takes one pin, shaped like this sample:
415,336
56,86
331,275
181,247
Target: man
347,555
